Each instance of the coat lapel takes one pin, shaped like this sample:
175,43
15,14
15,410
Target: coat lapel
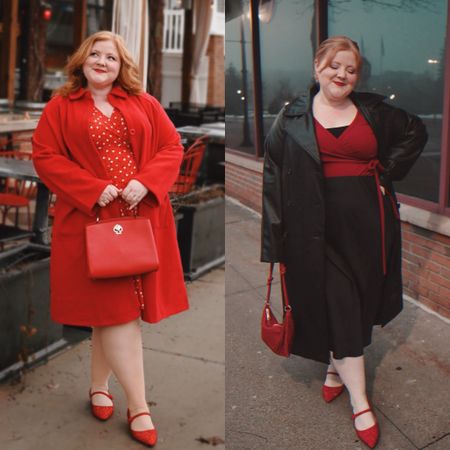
302,131
77,133
300,125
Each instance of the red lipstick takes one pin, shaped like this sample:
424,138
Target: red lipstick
339,83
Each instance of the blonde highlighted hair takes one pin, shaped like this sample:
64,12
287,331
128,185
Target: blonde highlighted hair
128,78
327,50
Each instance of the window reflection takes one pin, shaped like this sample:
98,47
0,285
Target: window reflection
238,84
405,65
287,42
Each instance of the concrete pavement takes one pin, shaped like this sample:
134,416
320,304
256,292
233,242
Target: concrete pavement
184,365
275,403
271,402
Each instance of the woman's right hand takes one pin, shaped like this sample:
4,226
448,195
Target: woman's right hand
108,195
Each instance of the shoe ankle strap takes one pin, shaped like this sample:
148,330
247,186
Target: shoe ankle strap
130,419
354,416
106,394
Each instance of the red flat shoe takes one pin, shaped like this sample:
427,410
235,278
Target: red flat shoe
101,412
329,393
370,435
146,437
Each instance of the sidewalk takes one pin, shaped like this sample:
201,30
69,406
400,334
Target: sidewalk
184,365
275,403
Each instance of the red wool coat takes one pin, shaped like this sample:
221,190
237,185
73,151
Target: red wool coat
68,163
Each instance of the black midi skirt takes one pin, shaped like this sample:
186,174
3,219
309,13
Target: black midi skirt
356,288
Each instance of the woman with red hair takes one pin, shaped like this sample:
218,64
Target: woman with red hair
106,148
330,215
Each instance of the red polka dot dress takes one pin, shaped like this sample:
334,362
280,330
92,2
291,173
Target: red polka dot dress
111,138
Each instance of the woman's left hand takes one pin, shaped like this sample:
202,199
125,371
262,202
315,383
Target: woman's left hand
134,192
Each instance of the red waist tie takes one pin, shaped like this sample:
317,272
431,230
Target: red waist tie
349,168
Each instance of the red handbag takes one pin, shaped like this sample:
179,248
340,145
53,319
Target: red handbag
277,336
120,247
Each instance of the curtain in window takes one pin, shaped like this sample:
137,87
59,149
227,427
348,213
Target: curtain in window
203,13
130,20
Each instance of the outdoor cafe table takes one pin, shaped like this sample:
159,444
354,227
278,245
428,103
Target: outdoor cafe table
24,170
216,133
15,126
220,126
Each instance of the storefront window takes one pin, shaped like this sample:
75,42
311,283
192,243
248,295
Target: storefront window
99,15
287,43
238,83
403,45
60,36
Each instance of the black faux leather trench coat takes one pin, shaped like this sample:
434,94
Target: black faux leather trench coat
293,220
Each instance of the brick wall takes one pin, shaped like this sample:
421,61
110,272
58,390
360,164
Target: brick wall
426,254
216,72
243,180
426,267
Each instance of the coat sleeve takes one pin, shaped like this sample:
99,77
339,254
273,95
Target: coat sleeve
59,173
159,173
272,226
407,139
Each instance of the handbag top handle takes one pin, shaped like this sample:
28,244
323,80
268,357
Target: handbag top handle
98,209
286,305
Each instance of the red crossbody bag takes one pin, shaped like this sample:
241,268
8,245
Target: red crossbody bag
277,336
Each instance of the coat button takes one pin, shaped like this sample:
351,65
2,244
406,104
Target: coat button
132,131
289,171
